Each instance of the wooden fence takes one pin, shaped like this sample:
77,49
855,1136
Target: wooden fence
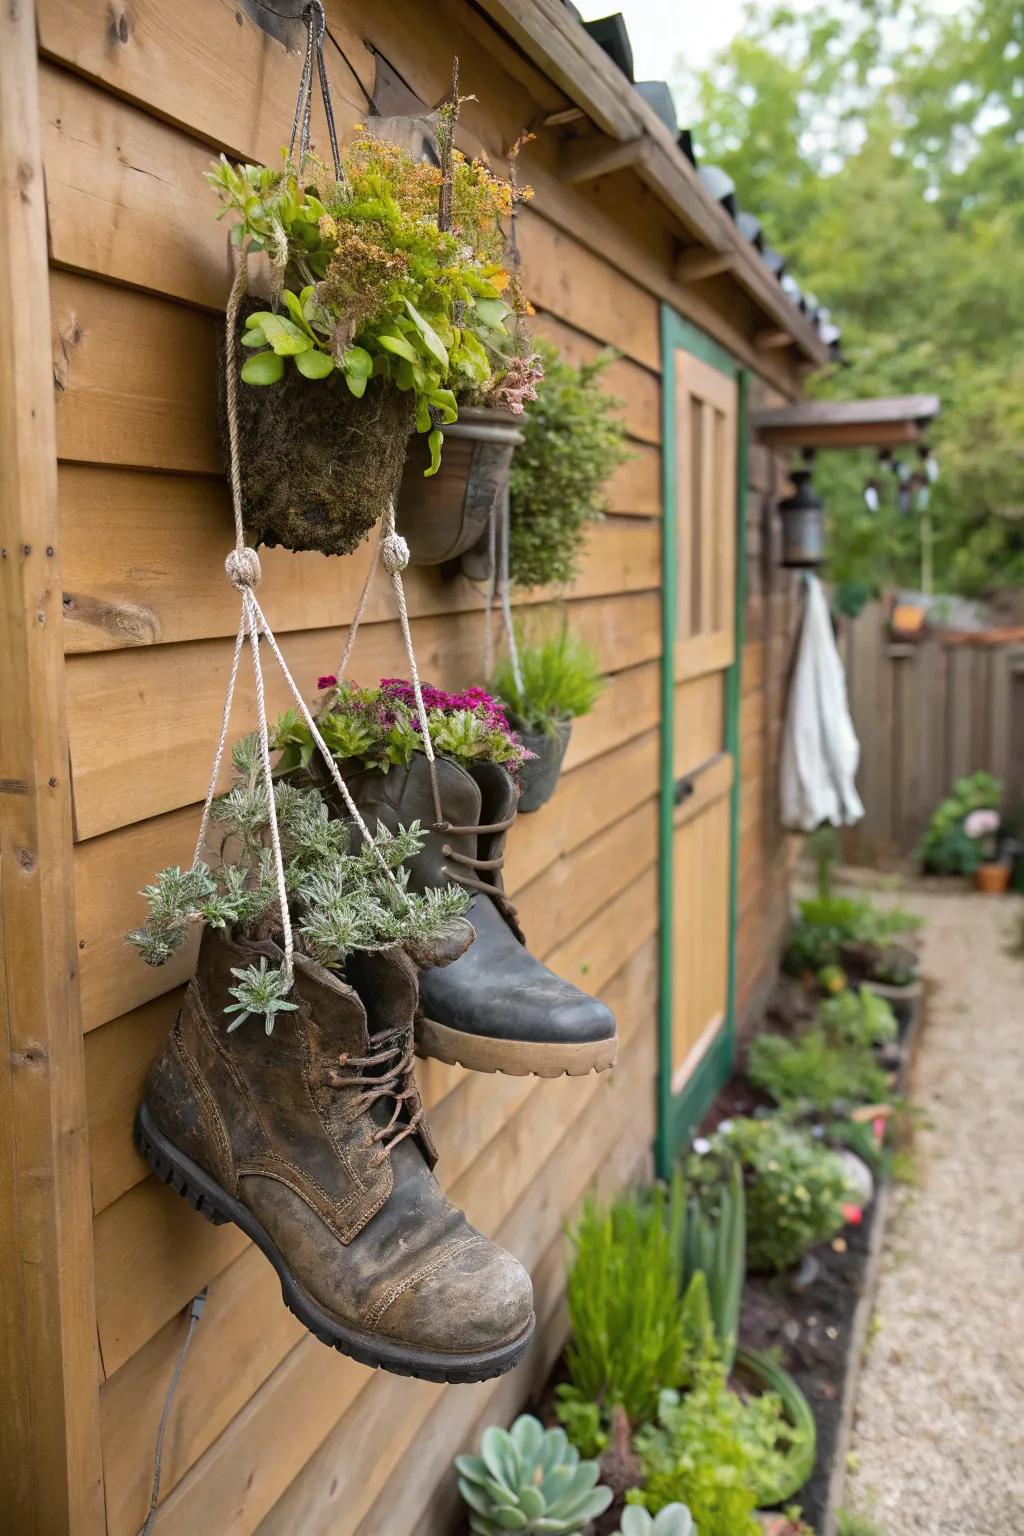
925,714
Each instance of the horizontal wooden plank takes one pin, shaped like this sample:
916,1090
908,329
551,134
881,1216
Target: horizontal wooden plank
322,1382
133,712
638,388
171,534
576,883
605,775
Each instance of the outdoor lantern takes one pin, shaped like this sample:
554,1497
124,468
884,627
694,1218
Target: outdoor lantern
803,524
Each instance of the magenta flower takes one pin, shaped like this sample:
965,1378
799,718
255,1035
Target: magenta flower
327,681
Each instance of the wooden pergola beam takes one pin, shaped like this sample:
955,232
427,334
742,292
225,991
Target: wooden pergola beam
586,159
696,265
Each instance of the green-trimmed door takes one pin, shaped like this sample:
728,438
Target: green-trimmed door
703,397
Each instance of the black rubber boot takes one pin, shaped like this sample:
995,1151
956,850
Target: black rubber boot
497,1008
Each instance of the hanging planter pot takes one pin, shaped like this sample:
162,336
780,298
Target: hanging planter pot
803,525
318,466
444,516
539,775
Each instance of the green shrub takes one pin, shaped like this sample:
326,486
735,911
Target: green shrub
629,1331
861,1019
561,680
945,848
572,444
812,1074
714,1452
714,1244
795,1187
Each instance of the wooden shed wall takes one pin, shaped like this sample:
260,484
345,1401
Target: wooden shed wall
270,1430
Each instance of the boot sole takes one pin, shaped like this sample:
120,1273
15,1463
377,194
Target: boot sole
515,1058
207,1197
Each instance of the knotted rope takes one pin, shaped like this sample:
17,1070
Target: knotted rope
243,570
392,552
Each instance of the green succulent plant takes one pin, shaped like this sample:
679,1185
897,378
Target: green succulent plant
673,1520
530,1479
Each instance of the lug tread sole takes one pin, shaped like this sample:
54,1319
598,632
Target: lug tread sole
513,1058
196,1187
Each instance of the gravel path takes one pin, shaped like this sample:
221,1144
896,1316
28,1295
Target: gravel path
939,1440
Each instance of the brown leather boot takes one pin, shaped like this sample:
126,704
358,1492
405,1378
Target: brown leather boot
497,1008
313,1140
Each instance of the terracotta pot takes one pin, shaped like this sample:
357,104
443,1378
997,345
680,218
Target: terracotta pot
993,879
538,778
444,516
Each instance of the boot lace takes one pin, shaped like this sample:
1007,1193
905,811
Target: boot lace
394,1055
468,862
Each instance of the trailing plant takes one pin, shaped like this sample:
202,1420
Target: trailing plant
530,1479
561,680
339,900
394,269
860,1019
795,1187
946,848
714,1451
714,1244
814,1073
631,1329
671,1520
572,444
380,727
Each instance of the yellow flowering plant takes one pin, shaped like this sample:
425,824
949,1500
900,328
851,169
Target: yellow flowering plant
370,281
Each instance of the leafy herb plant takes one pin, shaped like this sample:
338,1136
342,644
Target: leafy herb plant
573,442
561,680
795,1187
946,849
371,281
339,900
860,1019
380,727
813,1074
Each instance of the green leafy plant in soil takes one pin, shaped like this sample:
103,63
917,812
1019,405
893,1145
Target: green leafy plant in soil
561,681
573,442
530,1479
380,728
826,922
858,1019
946,848
339,901
813,1073
795,1187
632,1332
713,1451
368,283
714,1244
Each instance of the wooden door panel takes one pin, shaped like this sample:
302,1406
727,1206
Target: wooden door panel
705,514
700,933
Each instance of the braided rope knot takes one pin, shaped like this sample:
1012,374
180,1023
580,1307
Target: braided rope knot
394,553
243,569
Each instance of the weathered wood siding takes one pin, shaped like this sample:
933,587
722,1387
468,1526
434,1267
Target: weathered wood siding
270,1430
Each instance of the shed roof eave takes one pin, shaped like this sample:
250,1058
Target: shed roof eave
548,33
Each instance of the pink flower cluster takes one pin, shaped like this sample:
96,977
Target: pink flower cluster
476,700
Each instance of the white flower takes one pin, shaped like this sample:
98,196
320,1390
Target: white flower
701,1146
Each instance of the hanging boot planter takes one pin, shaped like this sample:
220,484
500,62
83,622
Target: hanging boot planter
449,514
332,1180
387,305
503,1011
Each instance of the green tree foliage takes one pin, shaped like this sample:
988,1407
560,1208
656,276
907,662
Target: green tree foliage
881,142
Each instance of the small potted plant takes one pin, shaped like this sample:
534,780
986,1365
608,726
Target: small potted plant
382,315
992,874
443,518
557,681
946,848
572,443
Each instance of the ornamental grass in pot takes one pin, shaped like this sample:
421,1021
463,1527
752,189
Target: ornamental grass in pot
556,681
381,314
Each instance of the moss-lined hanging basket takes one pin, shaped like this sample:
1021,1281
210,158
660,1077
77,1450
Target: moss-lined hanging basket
318,465
448,514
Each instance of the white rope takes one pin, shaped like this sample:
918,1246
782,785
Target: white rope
392,552
506,598
219,754
255,616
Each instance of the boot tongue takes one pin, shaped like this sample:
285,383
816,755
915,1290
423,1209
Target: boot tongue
498,797
335,1013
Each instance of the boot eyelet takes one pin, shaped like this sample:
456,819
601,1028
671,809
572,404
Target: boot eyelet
446,851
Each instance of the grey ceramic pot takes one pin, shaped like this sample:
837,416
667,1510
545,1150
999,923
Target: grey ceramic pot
538,778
